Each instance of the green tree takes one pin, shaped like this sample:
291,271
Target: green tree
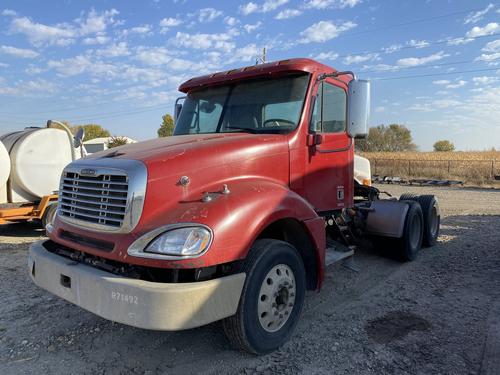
116,141
92,131
391,138
57,126
167,127
444,146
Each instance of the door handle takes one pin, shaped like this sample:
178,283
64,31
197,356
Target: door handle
314,139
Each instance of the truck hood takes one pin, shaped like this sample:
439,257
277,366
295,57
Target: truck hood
205,148
209,161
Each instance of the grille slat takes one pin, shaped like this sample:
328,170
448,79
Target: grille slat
83,201
71,193
96,181
93,188
80,213
100,200
95,209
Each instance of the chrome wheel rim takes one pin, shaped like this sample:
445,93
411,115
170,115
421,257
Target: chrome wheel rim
276,298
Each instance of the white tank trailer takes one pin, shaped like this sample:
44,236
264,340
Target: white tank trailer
31,163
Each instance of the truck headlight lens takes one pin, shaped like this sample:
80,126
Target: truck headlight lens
181,241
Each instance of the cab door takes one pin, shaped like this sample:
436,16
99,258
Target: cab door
329,166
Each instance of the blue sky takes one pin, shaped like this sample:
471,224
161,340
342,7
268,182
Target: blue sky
435,64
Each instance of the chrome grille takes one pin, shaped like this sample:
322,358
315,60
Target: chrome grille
100,199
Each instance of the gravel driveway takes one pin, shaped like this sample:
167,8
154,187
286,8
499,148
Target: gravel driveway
430,316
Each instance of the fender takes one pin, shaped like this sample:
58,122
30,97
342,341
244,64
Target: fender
238,217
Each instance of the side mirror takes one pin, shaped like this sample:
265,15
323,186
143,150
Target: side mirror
358,108
78,138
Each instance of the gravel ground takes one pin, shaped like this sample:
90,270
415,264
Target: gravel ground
429,316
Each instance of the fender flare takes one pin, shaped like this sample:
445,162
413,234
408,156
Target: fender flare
239,217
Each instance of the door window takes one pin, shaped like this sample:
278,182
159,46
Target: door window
329,113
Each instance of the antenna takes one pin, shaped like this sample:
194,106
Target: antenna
261,59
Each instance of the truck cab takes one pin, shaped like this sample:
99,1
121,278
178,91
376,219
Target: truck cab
229,218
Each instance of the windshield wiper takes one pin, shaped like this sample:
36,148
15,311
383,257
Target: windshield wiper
247,130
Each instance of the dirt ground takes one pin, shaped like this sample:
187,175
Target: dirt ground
430,316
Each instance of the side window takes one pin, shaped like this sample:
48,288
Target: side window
329,113
334,109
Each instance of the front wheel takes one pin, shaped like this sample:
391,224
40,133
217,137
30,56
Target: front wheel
272,298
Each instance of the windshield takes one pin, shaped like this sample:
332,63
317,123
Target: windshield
267,105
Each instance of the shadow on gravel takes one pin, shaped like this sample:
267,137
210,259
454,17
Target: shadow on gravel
395,325
23,229
383,304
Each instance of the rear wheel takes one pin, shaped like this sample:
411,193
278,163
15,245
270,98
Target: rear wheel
431,214
432,219
410,243
271,300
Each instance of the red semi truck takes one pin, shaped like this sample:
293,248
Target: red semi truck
235,216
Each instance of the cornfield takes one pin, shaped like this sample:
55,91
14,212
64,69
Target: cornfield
478,167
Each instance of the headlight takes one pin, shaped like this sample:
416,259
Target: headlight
181,241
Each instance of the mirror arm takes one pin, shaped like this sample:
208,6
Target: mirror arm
68,132
323,76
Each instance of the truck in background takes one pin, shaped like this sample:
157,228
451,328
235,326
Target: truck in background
100,144
235,216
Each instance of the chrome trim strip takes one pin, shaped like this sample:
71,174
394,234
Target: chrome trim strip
136,172
136,249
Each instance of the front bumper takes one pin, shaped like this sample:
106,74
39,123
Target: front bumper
138,303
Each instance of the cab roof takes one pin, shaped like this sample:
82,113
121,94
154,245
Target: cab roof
271,68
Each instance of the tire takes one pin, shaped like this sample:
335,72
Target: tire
280,262
408,197
410,243
49,214
432,217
